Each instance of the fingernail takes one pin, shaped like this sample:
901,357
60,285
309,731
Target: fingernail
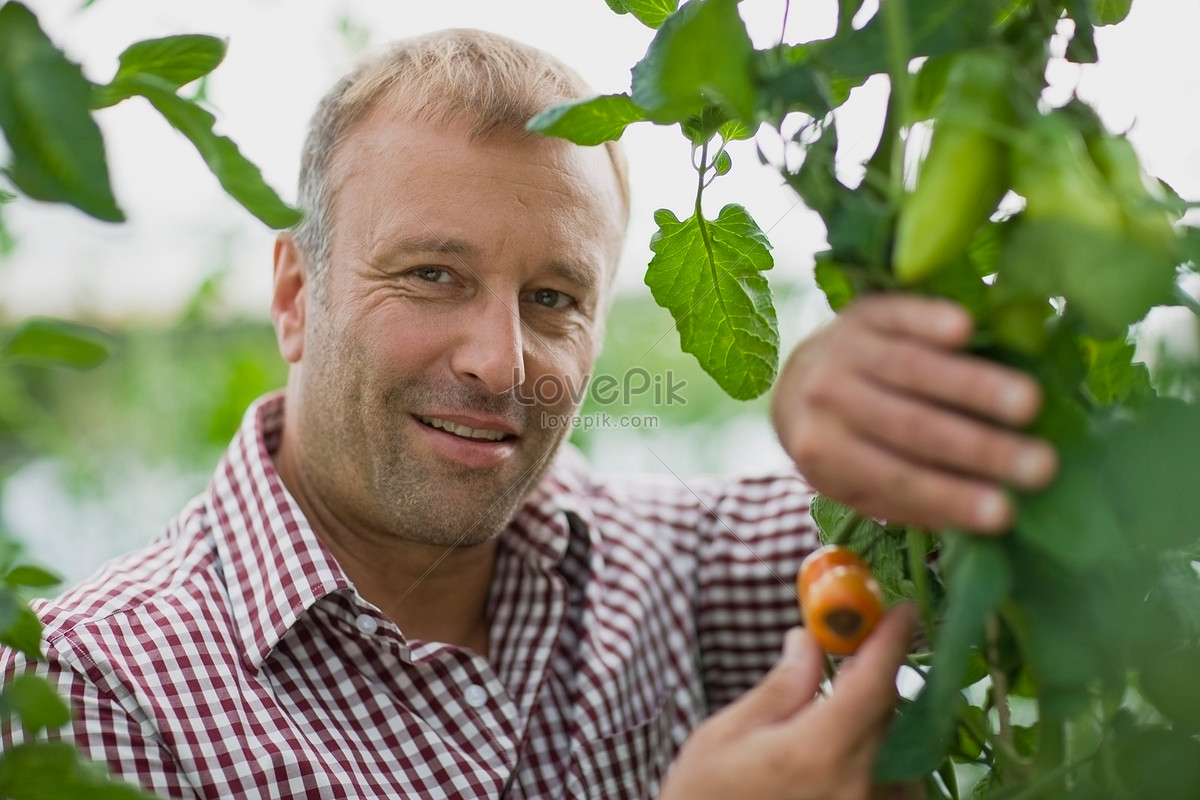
793,646
991,510
1029,467
1014,402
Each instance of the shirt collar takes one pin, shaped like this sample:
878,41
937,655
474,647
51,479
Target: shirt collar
276,567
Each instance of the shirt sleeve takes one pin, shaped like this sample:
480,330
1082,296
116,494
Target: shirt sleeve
101,729
758,532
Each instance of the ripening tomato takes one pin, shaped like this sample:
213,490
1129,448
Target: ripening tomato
841,601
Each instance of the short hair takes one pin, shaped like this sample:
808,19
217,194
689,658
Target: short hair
496,83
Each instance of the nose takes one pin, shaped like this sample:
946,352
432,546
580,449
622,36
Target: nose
491,349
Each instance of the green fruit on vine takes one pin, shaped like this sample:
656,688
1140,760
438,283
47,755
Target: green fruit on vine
965,173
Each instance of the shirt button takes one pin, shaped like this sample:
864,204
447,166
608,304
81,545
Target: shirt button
366,623
476,696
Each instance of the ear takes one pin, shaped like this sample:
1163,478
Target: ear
290,298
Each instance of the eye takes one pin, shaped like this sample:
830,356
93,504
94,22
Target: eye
432,274
552,298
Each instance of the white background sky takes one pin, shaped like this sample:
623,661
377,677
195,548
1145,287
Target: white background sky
283,56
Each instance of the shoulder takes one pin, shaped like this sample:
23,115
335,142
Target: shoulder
136,602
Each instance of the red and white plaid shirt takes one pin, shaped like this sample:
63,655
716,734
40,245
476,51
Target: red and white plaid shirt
233,658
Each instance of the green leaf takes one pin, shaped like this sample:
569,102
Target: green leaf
1109,12
789,81
1113,376
241,179
1151,468
883,551
1074,519
20,628
1169,682
708,274
618,6
29,575
858,223
53,342
832,280
36,703
929,85
1159,764
1108,280
57,150
723,163
921,736
651,13
55,771
702,55
1082,47
174,60
590,121
935,27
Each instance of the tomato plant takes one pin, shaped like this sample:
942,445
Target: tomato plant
1062,656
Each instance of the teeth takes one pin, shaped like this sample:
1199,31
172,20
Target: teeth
462,430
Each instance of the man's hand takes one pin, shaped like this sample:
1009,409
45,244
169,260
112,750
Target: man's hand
777,743
881,412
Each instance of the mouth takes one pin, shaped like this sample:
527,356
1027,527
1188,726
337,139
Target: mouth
465,431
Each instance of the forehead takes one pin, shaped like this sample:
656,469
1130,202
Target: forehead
447,161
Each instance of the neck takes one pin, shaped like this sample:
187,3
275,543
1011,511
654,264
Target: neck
432,593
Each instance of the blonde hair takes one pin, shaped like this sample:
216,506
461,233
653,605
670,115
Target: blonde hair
494,82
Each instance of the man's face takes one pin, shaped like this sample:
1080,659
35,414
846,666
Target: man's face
461,275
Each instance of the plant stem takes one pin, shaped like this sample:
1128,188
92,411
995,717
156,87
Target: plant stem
920,577
999,678
895,21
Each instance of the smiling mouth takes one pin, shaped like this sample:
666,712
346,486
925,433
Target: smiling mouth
464,431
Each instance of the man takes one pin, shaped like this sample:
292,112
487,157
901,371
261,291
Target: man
398,586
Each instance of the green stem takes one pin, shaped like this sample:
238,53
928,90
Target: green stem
920,577
999,678
1187,301
895,21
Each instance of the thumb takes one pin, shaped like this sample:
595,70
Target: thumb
787,688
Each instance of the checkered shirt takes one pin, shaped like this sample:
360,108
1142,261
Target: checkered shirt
232,658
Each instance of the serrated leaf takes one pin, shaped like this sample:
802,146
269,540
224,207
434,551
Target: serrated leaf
708,274
175,60
921,737
883,551
53,342
55,771
29,575
588,122
702,55
36,703
57,151
1109,12
241,179
651,13
20,628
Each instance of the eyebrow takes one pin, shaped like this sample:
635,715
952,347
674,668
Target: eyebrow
414,245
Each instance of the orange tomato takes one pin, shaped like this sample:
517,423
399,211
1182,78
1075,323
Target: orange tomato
841,601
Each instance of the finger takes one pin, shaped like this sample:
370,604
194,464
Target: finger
982,387
930,319
878,482
935,435
864,690
788,687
